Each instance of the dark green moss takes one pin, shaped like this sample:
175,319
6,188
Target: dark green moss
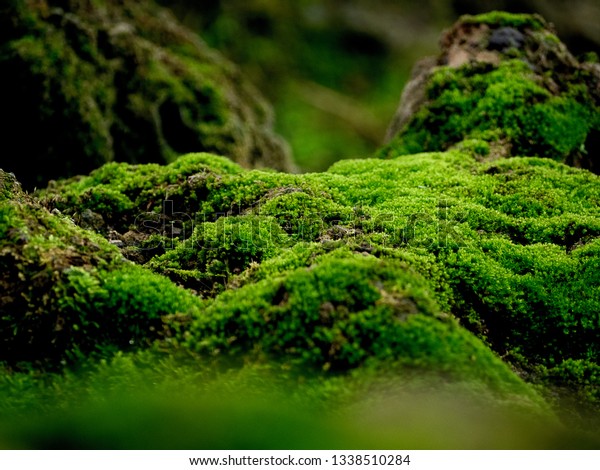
68,293
106,81
132,398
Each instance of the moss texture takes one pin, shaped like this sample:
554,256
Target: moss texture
110,81
504,85
68,293
475,271
330,269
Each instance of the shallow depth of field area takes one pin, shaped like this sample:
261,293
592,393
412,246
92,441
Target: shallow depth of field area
249,225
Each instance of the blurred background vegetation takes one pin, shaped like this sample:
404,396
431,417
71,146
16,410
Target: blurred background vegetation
334,69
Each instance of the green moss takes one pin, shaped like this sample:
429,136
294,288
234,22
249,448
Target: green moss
505,289
505,19
122,309
348,312
469,102
95,87
509,227
57,79
551,39
301,254
125,402
441,261
68,293
591,57
479,148
578,379
302,215
217,250
123,194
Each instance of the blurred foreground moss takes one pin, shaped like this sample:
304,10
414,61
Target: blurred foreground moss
152,401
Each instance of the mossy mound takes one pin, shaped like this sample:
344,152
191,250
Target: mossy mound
503,85
477,272
346,311
101,81
508,247
68,293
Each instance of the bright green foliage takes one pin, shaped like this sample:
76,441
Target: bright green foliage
216,250
123,194
335,314
503,102
503,85
534,301
117,310
505,19
505,246
342,312
303,215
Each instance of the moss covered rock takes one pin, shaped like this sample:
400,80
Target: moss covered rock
473,270
68,293
507,247
346,311
503,85
105,81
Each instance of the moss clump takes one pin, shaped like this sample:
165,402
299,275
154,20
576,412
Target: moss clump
104,81
578,381
533,302
507,81
158,203
507,247
218,250
342,312
468,104
303,215
67,292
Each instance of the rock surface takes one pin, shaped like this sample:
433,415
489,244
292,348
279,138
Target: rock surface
92,82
